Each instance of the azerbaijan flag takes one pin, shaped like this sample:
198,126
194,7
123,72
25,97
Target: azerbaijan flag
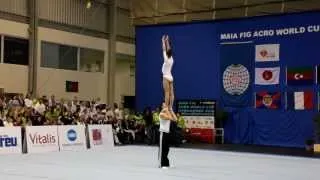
300,76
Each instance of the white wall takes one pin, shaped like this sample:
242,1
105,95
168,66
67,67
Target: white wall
125,48
52,81
125,84
14,29
91,85
14,78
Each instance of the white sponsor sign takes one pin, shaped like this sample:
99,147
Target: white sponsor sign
101,136
267,52
10,140
72,138
42,139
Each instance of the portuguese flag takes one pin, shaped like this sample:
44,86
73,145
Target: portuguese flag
300,100
300,76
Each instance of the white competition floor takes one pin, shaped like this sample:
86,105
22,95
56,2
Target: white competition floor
140,163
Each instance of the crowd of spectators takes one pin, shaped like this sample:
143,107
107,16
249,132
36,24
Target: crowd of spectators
128,126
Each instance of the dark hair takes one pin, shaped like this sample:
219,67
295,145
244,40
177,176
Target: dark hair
147,109
115,105
169,53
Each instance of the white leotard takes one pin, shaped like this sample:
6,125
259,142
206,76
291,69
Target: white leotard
167,67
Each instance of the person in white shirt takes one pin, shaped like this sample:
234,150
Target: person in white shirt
28,101
166,72
116,111
70,106
166,126
40,107
110,114
8,122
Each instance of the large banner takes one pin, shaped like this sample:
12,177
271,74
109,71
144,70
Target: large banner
42,139
10,140
100,136
236,66
72,138
199,119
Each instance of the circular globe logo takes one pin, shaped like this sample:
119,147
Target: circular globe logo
236,79
72,135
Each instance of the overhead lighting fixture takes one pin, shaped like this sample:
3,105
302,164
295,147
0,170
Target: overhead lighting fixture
88,4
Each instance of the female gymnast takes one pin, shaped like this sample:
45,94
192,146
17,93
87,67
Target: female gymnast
166,72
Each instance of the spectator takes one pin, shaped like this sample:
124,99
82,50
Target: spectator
14,102
52,101
116,110
148,118
67,118
110,114
28,101
181,128
37,119
2,119
130,125
40,107
8,122
21,100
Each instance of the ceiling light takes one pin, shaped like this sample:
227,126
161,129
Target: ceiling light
88,4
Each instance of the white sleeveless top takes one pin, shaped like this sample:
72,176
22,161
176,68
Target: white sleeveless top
164,125
167,67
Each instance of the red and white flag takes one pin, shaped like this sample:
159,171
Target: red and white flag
267,52
267,76
300,100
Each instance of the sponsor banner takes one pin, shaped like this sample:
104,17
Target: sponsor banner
10,140
100,136
42,139
200,128
72,138
201,135
202,122
196,107
316,148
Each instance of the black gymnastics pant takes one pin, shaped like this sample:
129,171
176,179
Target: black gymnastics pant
164,146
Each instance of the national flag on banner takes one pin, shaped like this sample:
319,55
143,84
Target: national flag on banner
268,100
72,86
267,76
267,52
300,100
300,76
